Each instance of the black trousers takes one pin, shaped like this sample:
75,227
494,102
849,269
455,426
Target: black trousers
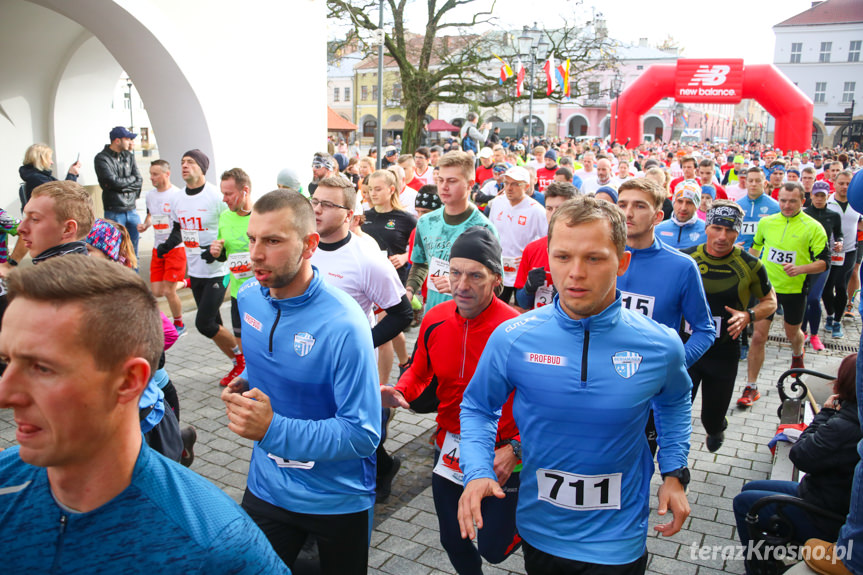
715,372
538,562
343,540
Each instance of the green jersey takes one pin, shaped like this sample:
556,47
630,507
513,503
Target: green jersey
232,229
433,240
797,240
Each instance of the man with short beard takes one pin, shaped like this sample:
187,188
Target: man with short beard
315,426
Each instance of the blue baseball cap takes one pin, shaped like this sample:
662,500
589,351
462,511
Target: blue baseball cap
121,132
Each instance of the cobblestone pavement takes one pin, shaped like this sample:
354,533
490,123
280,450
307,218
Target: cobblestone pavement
405,538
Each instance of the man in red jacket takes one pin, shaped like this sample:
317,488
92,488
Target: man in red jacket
451,339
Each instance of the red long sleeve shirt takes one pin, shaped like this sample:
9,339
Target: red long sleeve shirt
448,348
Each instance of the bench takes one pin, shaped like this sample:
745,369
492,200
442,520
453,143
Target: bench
797,407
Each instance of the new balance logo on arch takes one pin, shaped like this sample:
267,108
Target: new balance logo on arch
710,76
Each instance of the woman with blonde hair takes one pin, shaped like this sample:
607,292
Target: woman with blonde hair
36,169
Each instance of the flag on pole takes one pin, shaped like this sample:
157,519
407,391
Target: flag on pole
519,77
686,119
549,68
505,70
563,78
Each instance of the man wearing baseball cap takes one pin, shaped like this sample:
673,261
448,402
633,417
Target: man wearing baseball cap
684,229
120,181
484,171
519,220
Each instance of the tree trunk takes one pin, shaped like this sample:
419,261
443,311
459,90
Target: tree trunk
415,112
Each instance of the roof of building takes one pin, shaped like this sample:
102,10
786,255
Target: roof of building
639,52
344,66
336,123
828,12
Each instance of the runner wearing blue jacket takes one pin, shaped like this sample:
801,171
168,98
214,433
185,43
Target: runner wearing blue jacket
661,282
314,407
585,372
756,205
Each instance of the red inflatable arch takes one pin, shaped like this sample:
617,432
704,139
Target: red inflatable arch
722,82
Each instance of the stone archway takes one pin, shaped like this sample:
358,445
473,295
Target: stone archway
578,125
182,81
654,127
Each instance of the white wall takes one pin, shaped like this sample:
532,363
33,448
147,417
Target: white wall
215,75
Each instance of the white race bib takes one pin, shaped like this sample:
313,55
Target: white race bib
579,492
290,464
437,268
717,324
643,304
837,259
780,257
544,296
190,238
448,462
748,228
161,223
241,265
2,287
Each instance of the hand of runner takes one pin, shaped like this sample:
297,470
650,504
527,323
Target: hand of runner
399,260
672,496
216,247
504,462
442,283
249,413
469,504
737,322
791,269
391,397
142,228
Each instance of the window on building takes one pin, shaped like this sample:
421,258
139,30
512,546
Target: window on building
593,90
825,51
796,52
639,67
335,94
848,92
820,92
369,127
374,93
854,51
364,93
397,91
347,94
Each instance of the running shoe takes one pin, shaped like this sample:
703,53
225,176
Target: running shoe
815,341
385,482
235,372
181,330
749,397
714,441
189,436
828,323
837,330
849,312
797,361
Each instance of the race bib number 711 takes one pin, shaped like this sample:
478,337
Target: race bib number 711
579,492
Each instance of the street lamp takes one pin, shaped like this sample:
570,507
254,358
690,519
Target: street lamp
532,45
617,85
129,95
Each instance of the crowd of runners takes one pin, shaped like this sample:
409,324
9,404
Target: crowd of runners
571,298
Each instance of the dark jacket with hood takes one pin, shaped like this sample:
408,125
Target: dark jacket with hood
34,178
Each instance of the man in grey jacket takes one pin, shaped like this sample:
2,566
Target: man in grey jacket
476,137
120,181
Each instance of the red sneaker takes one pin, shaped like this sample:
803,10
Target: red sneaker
749,397
816,343
797,361
235,372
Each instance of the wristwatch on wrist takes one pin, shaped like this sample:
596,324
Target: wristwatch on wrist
681,474
11,262
751,313
516,447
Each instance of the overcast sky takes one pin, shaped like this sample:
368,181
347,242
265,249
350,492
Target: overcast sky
721,29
